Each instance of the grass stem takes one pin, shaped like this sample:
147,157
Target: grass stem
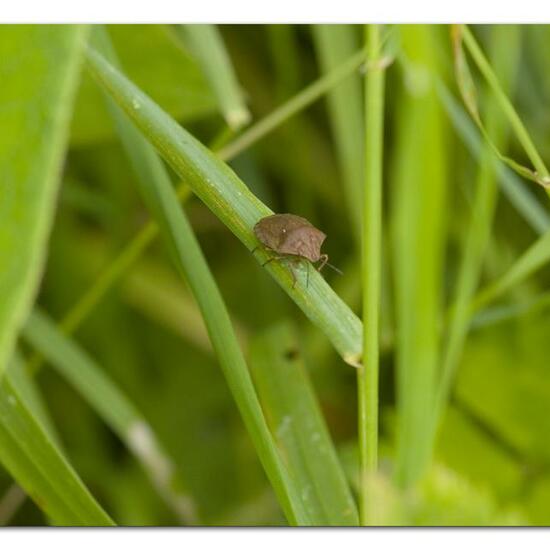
372,230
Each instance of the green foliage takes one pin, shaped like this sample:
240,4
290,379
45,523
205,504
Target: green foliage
172,380
39,67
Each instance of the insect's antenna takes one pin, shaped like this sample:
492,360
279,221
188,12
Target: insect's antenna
324,262
335,268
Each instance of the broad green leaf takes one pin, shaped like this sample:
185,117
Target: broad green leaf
31,457
39,69
297,423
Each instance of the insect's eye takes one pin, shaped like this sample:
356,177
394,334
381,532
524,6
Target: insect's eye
284,230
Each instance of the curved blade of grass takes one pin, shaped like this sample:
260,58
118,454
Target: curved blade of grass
419,232
39,69
505,48
80,370
39,468
26,386
462,34
297,423
335,44
535,257
230,200
512,186
206,43
161,199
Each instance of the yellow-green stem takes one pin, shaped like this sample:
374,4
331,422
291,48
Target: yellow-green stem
372,222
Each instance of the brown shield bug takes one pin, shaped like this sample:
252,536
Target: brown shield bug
292,237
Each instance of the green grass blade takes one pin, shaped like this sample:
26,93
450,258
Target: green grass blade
297,423
230,200
25,385
505,47
111,404
419,236
39,468
535,257
294,105
39,70
512,186
367,377
161,199
143,239
463,34
335,44
206,43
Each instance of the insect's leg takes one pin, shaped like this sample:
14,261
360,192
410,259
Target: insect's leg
324,260
255,248
294,279
273,258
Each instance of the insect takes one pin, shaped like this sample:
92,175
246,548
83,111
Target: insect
292,237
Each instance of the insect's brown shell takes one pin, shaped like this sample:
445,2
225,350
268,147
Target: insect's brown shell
290,234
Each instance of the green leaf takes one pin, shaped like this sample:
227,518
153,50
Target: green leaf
34,461
296,420
418,182
206,43
111,404
229,198
39,68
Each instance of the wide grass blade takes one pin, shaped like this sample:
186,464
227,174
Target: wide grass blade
161,199
419,234
206,43
111,404
32,458
297,423
335,44
229,199
39,70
